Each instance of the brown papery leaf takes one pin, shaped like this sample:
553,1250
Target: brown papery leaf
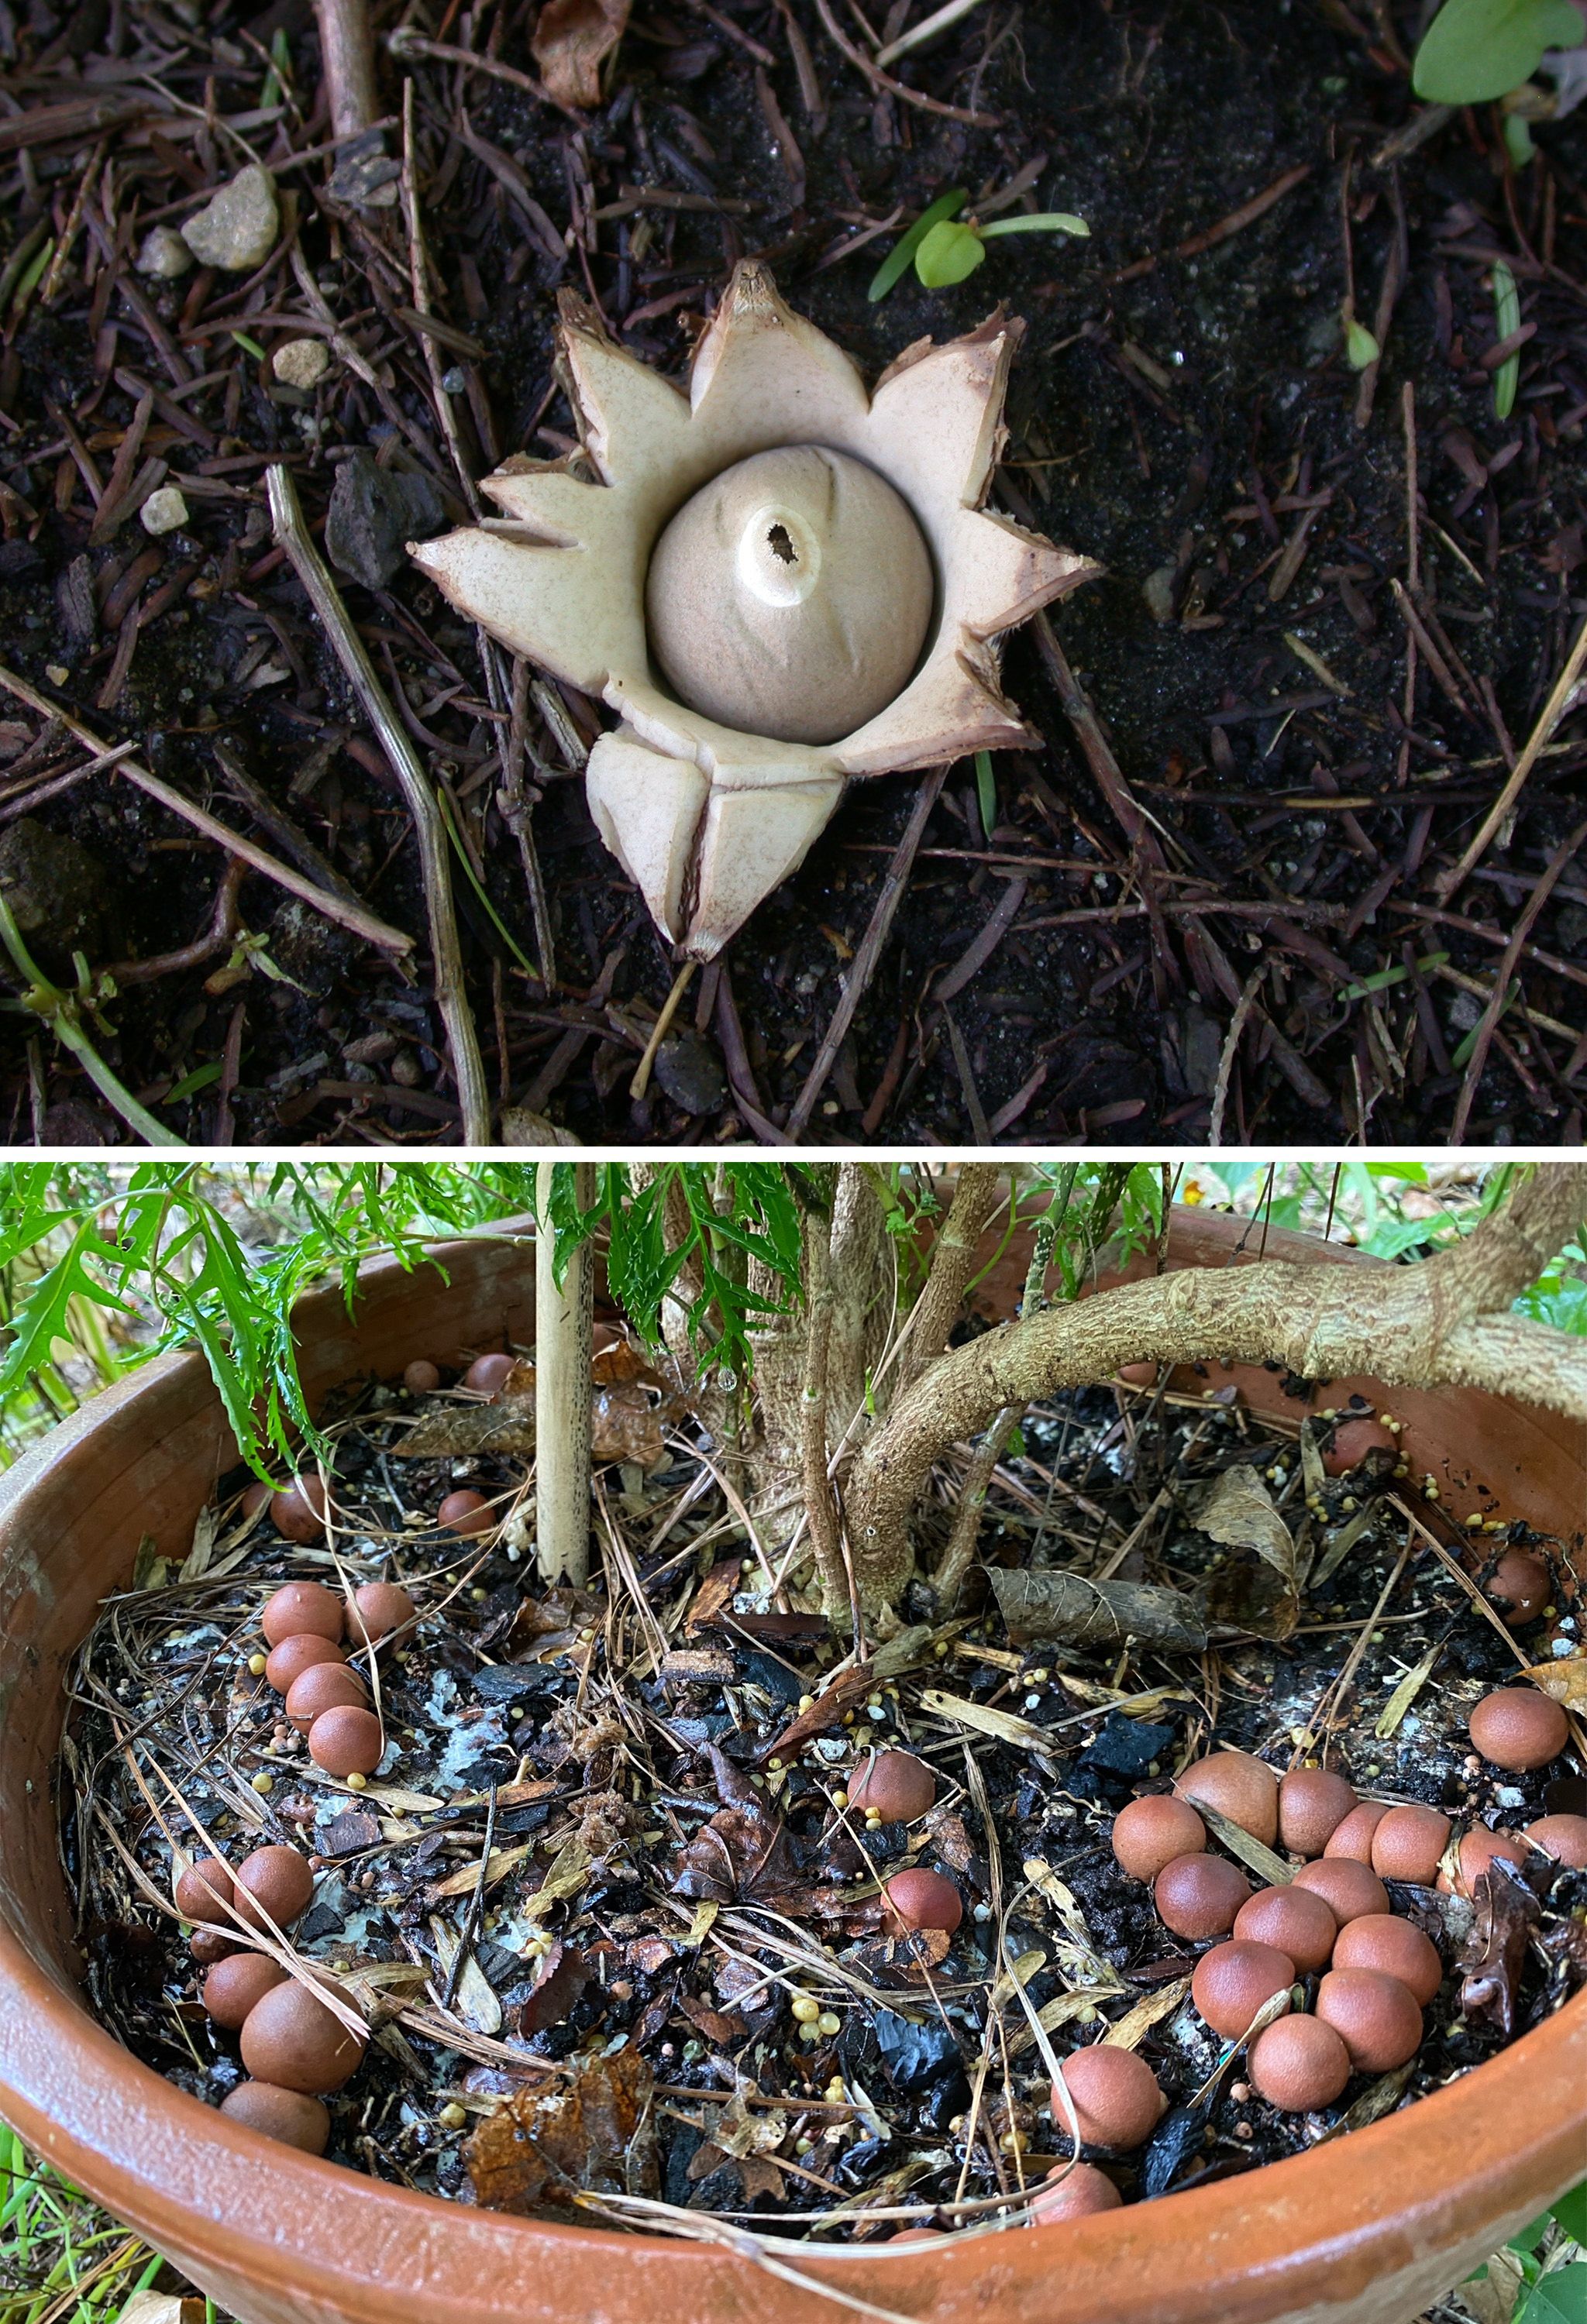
1565,1680
1054,1605
563,1975
1493,1955
572,41
593,2133
1239,1511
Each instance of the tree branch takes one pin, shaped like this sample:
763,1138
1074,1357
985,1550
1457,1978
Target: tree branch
1440,1323
564,1330
953,1256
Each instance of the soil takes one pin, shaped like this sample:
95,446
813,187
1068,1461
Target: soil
1244,955
669,1882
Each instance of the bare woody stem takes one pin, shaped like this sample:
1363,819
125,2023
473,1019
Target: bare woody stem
953,1256
820,1509
1444,1323
564,1334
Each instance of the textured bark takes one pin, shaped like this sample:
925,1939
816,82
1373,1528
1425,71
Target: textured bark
1444,1322
952,1259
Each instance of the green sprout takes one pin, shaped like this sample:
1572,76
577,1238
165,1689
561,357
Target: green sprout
1475,50
1361,348
946,248
1507,315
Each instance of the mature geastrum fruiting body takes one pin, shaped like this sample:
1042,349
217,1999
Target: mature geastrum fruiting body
780,579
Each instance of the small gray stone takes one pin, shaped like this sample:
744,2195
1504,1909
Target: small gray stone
301,363
59,895
691,1072
164,255
1158,589
237,229
373,514
163,511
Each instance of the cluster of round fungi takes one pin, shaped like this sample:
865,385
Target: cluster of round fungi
896,1787
295,2050
307,1663
1332,1919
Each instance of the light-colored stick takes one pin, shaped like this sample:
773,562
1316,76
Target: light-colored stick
564,1331
1552,711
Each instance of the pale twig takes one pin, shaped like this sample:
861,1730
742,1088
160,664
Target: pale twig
353,917
927,29
446,958
1552,711
346,51
641,1073
879,79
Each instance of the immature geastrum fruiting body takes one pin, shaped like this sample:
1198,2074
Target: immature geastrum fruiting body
780,579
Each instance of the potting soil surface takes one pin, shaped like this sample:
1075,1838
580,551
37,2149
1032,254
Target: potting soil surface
607,1851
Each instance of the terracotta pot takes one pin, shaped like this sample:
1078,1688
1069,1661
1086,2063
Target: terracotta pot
1374,2225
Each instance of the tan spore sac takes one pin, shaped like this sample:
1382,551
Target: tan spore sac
738,731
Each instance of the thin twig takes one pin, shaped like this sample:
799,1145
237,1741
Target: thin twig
879,79
1552,711
1565,853
870,952
451,998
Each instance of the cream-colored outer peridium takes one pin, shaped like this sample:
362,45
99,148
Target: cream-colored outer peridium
791,596
705,819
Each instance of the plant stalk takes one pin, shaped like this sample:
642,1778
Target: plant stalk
564,1336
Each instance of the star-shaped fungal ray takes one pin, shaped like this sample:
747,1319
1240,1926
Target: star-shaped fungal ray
936,418
558,606
1001,574
634,423
954,706
762,375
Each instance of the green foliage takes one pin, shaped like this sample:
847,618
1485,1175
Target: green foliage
1361,348
945,251
894,265
986,792
1475,50
948,254
1554,2273
1506,316
62,2260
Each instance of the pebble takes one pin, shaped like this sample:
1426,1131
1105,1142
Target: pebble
690,1073
164,255
374,513
301,363
237,229
163,511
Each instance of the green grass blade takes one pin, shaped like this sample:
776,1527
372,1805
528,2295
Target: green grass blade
945,206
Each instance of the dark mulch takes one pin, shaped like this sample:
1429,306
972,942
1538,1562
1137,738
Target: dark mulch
700,1888
1188,420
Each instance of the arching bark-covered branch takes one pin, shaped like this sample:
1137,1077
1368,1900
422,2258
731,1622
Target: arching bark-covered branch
1442,1322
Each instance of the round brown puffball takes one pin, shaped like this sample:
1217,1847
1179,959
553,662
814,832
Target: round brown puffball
299,1511
292,2038
894,1785
1351,1837
254,1498
1142,1375
1293,1921
288,2116
919,1899
1518,1728
203,1891
210,1944
301,1609
466,1512
1244,1789
1563,1837
1376,2017
1234,1982
322,1687
277,1881
347,1741
1312,1802
1152,1831
233,1985
1408,1843
287,1662
791,596
486,1373
1298,2063
1117,2101
1199,1895
1479,1847
1397,1948
1353,1440
421,1377
378,1610
1522,1584
1348,1889
1073,2196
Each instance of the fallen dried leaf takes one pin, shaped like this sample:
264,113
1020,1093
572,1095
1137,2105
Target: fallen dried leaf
593,2133
571,43
1239,1511
1493,1955
564,1973
1565,1680
1054,1605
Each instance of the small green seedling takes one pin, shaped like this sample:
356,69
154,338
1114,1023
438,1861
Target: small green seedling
946,248
1475,50
1361,348
1506,316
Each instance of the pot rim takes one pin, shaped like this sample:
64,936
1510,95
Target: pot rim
1337,2219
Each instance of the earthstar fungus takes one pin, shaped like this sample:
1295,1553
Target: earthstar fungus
779,579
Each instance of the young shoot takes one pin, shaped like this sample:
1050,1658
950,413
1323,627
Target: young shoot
946,248
1475,50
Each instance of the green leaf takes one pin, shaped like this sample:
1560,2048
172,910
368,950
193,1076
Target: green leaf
1507,316
1518,141
1571,2210
986,792
1360,347
1528,2237
1038,222
945,206
1560,2297
947,255
1475,50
